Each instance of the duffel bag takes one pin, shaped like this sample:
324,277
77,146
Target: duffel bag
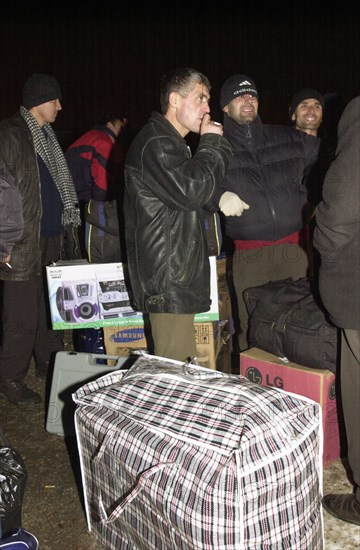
287,318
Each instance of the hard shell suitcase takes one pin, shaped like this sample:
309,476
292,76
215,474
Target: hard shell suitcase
71,370
177,457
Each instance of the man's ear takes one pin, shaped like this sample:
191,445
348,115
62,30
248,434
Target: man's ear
293,117
174,99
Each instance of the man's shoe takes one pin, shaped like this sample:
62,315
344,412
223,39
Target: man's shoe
344,507
18,393
20,539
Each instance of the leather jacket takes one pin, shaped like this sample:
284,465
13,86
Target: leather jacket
18,156
166,190
11,218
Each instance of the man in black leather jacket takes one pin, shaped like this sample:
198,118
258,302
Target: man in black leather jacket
265,211
165,194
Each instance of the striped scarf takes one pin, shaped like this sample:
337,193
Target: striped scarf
48,147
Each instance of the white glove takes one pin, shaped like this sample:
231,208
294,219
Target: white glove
230,204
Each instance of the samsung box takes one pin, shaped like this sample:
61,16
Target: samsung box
209,337
86,295
266,369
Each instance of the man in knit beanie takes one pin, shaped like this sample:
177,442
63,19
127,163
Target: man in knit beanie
306,110
30,152
40,88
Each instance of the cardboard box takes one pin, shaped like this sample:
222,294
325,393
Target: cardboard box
210,338
123,340
85,295
319,385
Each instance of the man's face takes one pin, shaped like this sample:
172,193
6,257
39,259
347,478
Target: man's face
308,115
46,112
189,110
243,109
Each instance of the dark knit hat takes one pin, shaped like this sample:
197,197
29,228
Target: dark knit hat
301,95
236,85
40,88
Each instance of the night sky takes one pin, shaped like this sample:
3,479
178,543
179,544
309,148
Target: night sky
112,58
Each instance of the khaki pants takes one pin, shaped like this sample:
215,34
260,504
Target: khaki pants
173,335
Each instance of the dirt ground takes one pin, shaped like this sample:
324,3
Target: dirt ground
52,506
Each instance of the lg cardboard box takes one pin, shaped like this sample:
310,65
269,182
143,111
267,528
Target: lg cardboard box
210,339
319,385
85,295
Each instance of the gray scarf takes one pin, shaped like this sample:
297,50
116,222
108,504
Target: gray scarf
51,153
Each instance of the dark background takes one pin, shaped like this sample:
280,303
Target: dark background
111,57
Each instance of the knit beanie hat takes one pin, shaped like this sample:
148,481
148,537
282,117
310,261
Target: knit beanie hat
236,85
40,88
301,95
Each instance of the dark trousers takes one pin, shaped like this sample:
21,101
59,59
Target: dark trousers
350,395
25,322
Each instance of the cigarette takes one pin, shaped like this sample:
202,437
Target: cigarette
9,266
217,123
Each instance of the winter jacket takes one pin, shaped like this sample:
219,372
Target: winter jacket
267,172
11,217
96,162
337,231
18,156
165,192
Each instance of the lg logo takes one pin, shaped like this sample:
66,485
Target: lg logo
254,375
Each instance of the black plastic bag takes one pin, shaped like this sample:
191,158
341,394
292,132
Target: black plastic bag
13,476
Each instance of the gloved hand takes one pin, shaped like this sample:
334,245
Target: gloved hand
230,204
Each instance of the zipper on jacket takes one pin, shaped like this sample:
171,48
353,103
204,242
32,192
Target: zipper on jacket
271,206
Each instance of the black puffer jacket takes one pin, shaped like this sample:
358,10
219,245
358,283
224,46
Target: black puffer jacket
165,193
18,155
267,172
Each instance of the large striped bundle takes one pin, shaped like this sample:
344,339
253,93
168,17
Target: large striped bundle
178,457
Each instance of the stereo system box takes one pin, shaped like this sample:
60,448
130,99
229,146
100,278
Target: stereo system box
266,369
85,295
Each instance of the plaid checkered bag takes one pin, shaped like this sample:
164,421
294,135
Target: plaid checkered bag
179,457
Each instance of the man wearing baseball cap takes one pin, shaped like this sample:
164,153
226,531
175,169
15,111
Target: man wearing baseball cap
30,152
262,195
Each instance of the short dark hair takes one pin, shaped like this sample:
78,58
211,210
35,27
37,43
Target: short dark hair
109,117
182,80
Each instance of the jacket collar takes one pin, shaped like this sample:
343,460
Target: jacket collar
158,118
235,132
